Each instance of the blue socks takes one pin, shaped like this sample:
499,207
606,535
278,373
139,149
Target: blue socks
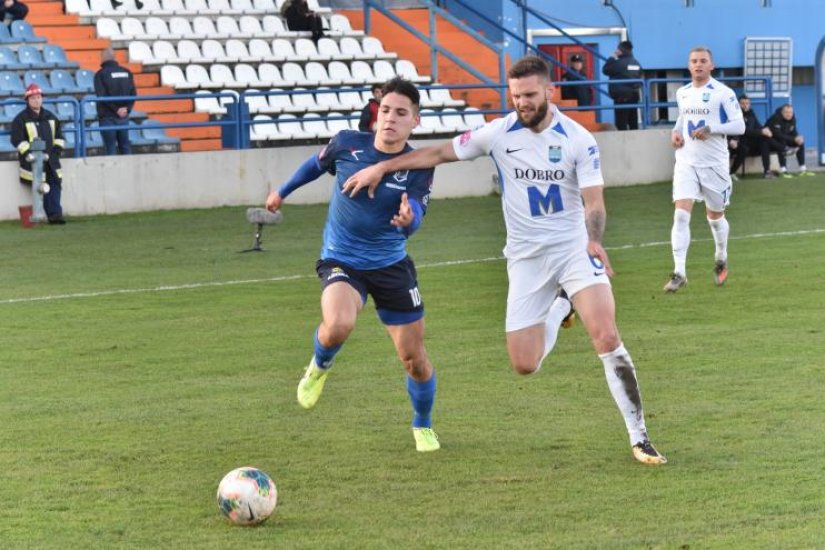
422,396
324,355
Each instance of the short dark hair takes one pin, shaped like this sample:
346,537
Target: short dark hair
404,87
376,86
626,46
529,66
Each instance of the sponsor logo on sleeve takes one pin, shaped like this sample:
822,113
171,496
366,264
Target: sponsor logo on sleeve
465,138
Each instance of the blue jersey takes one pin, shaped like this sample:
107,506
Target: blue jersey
358,230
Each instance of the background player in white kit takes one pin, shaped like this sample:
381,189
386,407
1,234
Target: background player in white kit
708,111
555,218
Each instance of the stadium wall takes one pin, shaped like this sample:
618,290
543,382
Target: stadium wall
136,183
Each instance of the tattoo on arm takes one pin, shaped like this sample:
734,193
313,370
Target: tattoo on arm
595,222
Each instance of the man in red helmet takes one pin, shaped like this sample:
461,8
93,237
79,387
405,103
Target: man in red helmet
32,123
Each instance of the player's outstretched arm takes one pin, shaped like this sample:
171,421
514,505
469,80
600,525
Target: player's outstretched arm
595,218
426,157
309,171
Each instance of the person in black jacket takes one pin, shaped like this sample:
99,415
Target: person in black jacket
300,18
622,65
783,127
369,114
12,10
32,123
582,93
757,138
113,80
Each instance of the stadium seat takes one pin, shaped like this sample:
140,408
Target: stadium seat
203,27
314,6
9,60
89,107
177,7
198,76
290,127
267,72
260,50
257,103
164,52
137,139
383,70
305,49
452,121
430,123
335,126
442,97
266,128
228,97
133,29
473,118
5,36
406,69
85,80
180,26
317,74
140,52
351,48
157,135
69,135
280,102
292,72
109,28
213,51
362,73
31,58
156,26
222,7
340,25
39,78
228,27
172,75
5,144
350,99
251,27
62,81
93,137
328,50
102,7
247,76
327,100
246,6
237,50
208,105
188,50
11,110
200,7
339,71
55,56
22,32
266,6
283,50
80,7
354,120
373,47
154,7
221,75
313,124
303,101
275,26
424,99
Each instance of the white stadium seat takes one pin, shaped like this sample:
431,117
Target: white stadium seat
157,27
406,69
327,99
362,73
199,6
290,127
339,71
305,49
292,72
328,50
350,99
189,51
196,74
312,124
336,126
140,52
251,27
222,75
267,72
204,27
442,97
473,119
213,50
373,47
317,74
351,48
260,50
208,104
265,130
303,101
452,121
383,70
164,52
280,103
180,26
257,103
228,26
247,76
236,49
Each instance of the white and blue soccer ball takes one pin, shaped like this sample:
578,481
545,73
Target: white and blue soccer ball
247,496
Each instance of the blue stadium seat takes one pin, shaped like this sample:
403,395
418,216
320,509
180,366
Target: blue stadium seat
157,135
93,139
5,144
39,78
5,36
22,31
89,108
56,57
65,108
85,80
9,60
69,136
62,81
10,84
31,58
11,110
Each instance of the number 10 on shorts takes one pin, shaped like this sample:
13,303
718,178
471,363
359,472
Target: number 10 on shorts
415,296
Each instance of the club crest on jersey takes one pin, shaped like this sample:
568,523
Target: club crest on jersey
705,96
554,153
401,176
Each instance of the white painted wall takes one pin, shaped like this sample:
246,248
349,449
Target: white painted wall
111,185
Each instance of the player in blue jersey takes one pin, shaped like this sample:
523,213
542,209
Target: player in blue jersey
364,252
555,217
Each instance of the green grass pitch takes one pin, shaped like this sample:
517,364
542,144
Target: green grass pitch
143,357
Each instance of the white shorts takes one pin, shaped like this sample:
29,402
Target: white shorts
535,281
709,184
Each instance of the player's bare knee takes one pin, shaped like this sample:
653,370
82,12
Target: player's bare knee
336,332
523,367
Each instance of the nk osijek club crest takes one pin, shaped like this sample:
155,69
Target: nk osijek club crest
554,153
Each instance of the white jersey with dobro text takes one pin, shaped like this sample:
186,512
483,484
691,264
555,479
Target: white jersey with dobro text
712,104
541,179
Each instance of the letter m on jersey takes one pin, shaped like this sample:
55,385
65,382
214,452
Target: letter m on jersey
692,127
542,204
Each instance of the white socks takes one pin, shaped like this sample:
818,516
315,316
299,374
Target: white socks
680,239
720,230
558,311
621,379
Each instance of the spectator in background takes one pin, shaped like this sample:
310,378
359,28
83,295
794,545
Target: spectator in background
783,127
621,66
300,18
755,139
113,80
35,122
582,93
369,115
12,10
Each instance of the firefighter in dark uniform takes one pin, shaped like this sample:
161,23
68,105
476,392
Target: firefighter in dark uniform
36,122
622,65
113,80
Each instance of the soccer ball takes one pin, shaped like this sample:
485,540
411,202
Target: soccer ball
247,496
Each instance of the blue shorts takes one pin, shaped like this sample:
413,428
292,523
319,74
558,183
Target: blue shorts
394,288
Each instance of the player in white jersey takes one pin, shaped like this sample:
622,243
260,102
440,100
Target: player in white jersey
555,217
708,111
